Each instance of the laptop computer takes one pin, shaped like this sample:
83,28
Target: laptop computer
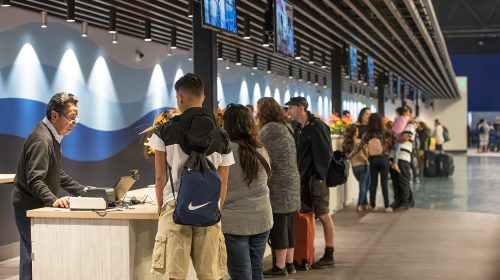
117,192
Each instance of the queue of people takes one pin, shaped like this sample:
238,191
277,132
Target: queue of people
269,164
396,149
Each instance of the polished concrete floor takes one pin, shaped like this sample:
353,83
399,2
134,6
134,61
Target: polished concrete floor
453,233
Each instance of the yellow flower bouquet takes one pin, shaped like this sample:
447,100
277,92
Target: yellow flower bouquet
338,124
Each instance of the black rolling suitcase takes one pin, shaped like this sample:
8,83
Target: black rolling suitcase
430,161
445,165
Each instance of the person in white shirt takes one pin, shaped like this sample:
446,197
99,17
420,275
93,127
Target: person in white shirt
176,244
439,135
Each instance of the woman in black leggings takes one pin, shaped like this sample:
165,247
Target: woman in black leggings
378,141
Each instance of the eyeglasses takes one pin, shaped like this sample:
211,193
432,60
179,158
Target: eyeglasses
72,121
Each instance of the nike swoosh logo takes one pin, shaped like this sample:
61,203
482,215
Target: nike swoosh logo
192,208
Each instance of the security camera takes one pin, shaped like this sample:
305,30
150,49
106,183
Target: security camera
139,55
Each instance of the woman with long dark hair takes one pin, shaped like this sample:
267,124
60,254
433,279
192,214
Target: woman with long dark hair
378,141
284,184
247,214
362,122
359,164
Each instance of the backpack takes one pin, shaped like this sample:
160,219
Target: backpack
375,147
338,171
197,202
481,130
446,134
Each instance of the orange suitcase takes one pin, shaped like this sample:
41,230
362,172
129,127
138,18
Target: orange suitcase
303,256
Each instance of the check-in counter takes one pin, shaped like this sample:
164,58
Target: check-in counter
7,178
95,245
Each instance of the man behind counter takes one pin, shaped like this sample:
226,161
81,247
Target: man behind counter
39,174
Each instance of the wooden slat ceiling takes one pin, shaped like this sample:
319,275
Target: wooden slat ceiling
400,35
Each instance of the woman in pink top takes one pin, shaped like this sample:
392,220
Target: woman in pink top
397,128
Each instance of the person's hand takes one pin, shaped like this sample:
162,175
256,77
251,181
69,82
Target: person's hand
62,202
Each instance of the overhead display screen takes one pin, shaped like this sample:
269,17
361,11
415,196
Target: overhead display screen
353,63
220,15
283,18
370,71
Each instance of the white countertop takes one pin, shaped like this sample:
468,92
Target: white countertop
7,178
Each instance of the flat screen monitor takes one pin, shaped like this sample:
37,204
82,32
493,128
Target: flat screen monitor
353,63
283,19
370,71
220,15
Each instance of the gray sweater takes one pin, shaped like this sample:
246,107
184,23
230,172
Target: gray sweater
39,174
284,184
247,210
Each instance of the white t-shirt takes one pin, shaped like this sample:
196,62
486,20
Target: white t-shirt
176,159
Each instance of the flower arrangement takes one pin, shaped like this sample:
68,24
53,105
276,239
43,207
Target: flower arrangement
160,119
338,123
220,115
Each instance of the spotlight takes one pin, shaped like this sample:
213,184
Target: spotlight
300,75
297,51
308,77
173,38
311,56
265,41
190,55
147,30
238,57
324,82
190,8
316,83
220,55
114,37
44,19
290,72
269,71
227,65
5,3
254,65
375,88
85,29
323,61
112,21
71,11
246,32
138,56
169,50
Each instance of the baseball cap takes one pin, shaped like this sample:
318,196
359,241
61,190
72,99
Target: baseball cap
298,101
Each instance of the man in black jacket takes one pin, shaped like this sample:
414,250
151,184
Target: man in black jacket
314,153
39,174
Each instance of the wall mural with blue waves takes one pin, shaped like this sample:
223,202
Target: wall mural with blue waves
116,101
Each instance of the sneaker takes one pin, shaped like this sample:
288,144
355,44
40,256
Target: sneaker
367,207
324,262
388,210
359,208
395,167
275,272
290,268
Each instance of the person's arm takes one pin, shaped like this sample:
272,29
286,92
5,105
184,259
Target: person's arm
160,177
407,133
223,175
70,185
161,172
321,151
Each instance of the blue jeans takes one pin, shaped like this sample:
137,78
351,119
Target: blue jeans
362,174
245,254
24,226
